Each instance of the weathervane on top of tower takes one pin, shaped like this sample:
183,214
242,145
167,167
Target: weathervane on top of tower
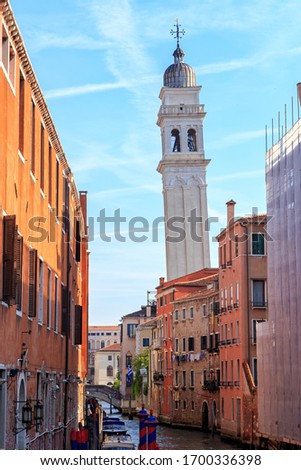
177,33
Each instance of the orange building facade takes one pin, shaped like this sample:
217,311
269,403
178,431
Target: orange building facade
43,264
243,304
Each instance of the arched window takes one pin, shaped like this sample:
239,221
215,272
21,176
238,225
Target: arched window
191,140
102,344
109,371
175,141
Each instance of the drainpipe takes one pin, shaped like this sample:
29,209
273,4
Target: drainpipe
67,230
248,289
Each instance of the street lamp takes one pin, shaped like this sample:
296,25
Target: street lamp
27,415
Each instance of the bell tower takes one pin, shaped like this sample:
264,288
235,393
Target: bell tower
183,168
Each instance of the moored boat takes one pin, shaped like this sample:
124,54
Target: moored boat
118,442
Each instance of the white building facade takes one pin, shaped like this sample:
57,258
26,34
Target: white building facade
107,365
100,337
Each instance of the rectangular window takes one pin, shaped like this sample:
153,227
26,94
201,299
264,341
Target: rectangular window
5,48
238,371
192,378
64,310
258,244
192,406
42,163
9,235
176,345
49,298
176,315
183,344
145,342
176,378
236,246
184,314
41,291
78,322
32,282
184,378
18,270
12,65
21,112
191,312
33,137
131,330
203,342
223,407
232,409
258,293
56,305
237,292
204,310
237,332
190,343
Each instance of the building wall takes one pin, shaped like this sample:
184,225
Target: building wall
279,346
103,360
41,325
240,267
168,292
100,337
196,359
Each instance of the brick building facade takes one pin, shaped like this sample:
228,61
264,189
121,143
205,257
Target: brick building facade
43,263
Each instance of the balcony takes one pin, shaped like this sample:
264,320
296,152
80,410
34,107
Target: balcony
211,385
157,343
158,378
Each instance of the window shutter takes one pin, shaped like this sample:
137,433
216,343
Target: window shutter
78,324
8,257
77,240
18,270
64,319
32,284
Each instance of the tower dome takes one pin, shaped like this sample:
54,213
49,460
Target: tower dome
179,74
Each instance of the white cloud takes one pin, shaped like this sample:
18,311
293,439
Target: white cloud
83,89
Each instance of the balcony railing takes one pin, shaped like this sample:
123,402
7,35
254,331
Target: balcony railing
211,385
158,378
158,343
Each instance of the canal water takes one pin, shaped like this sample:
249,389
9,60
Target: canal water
169,438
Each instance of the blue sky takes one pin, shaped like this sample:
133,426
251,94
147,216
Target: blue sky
100,66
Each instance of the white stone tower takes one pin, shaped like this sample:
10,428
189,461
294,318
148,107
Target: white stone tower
183,169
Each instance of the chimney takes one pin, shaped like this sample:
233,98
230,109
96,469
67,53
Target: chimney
299,91
161,280
230,212
148,310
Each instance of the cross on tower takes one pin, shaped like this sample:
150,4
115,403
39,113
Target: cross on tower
177,34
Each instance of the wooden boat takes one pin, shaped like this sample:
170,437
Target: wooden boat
118,442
